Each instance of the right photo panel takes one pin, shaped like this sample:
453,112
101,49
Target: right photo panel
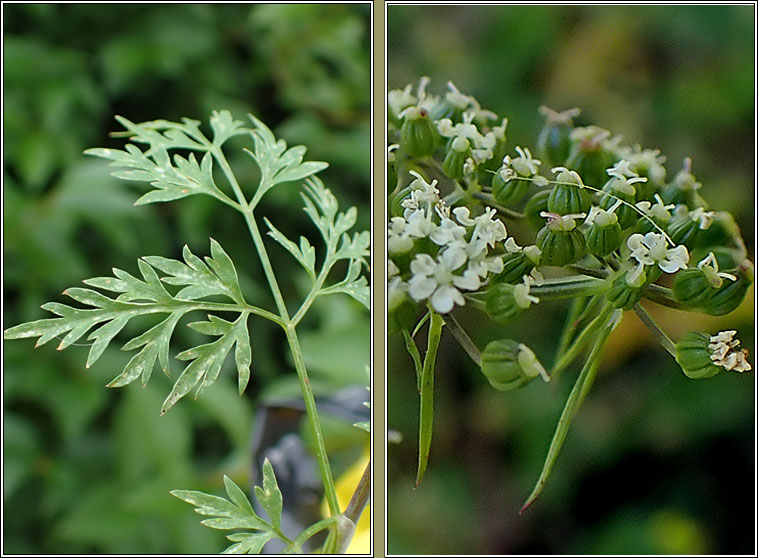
570,241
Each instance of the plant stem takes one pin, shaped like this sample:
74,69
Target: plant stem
318,436
664,296
502,209
289,328
426,411
410,346
568,287
360,497
463,339
581,341
657,332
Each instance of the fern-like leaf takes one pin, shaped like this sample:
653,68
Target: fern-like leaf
238,513
200,279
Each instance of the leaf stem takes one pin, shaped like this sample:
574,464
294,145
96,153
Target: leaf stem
289,328
310,407
655,329
298,541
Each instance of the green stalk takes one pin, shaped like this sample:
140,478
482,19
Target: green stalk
570,326
568,287
657,332
578,392
426,412
289,328
580,342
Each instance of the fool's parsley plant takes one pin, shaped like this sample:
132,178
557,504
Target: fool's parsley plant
178,160
608,229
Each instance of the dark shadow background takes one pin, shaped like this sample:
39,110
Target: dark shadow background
654,463
88,469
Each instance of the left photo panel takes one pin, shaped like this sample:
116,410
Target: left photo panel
188,198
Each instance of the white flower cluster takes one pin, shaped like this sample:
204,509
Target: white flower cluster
725,352
462,262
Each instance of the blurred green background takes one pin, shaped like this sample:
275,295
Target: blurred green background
88,469
654,463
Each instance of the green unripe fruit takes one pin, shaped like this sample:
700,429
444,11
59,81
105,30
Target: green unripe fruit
568,196
604,235
510,365
560,244
504,301
622,295
534,206
615,190
694,356
508,192
682,229
418,136
731,293
692,287
518,264
453,163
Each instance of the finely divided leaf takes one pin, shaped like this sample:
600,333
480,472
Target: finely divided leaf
215,276
106,317
269,496
238,513
248,543
305,254
207,359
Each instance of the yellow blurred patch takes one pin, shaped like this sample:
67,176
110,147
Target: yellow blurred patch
345,485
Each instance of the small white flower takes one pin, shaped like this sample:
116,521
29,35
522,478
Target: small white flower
435,280
489,229
392,269
621,170
703,217
447,232
659,211
399,239
603,217
653,250
554,117
559,222
524,165
399,99
710,268
565,175
456,98
521,293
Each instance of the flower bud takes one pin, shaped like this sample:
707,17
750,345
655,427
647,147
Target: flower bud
509,365
560,241
418,136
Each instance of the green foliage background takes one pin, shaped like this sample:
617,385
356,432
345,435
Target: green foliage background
87,469
655,463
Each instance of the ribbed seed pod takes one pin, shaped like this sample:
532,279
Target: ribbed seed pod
509,365
418,136
560,247
694,356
